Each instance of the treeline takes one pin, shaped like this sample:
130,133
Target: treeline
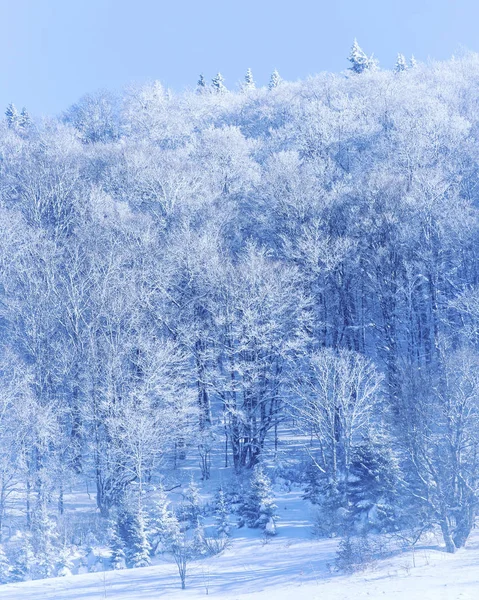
180,271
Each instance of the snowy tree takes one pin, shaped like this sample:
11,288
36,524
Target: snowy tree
401,64
248,83
24,120
5,568
201,86
217,84
222,510
65,563
360,62
12,116
338,399
259,509
191,508
117,546
275,80
413,62
95,117
374,486
132,532
163,524
22,569
44,538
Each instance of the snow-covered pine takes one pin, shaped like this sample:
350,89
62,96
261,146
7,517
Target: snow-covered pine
359,60
218,84
12,116
201,86
401,63
24,561
191,509
131,530
163,524
44,541
5,567
24,120
117,546
259,509
275,80
248,83
65,562
222,511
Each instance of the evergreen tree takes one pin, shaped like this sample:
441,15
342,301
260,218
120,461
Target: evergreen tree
258,508
313,489
413,62
43,540
401,64
131,531
275,80
5,569
249,83
360,62
373,486
24,120
191,509
139,548
201,87
24,562
12,115
199,546
163,524
217,83
117,547
222,513
65,563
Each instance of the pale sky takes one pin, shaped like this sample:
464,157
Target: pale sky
53,51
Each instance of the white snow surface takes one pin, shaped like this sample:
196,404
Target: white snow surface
291,566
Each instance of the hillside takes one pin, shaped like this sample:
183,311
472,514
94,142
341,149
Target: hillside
218,303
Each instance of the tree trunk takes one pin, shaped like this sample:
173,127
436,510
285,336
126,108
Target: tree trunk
446,534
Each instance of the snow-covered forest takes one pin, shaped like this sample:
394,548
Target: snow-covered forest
204,293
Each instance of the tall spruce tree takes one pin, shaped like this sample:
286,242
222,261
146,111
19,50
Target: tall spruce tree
249,83
218,84
359,60
401,63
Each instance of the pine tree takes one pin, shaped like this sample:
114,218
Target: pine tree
65,563
24,562
199,546
249,83
373,486
132,532
12,115
117,546
217,83
360,62
43,540
401,64
222,513
139,547
314,485
412,62
201,87
163,524
5,569
24,120
258,509
275,80
191,509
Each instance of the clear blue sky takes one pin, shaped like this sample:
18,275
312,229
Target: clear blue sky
53,51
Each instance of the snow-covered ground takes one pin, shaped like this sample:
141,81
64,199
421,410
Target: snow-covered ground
291,566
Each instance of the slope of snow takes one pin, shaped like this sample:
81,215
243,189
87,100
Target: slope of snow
292,566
